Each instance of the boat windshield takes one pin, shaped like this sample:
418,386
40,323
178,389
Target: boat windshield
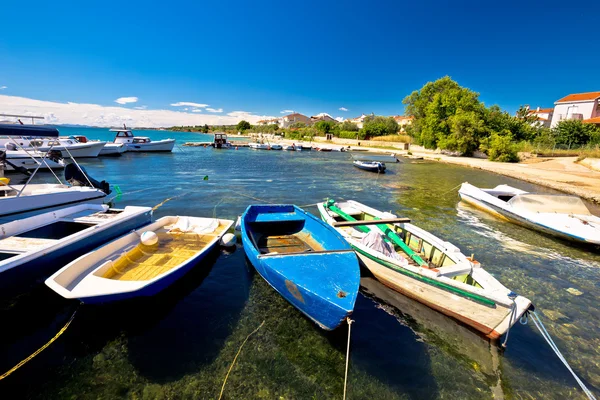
549,204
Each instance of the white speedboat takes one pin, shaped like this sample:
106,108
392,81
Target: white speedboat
69,147
134,265
562,216
32,245
259,146
142,143
109,150
31,160
28,197
420,265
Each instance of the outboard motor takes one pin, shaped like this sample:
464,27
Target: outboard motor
2,161
55,155
75,177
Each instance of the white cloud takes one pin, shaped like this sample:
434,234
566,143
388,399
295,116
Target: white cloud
323,115
196,110
286,111
3,87
189,104
105,116
214,110
126,100
339,119
141,107
343,109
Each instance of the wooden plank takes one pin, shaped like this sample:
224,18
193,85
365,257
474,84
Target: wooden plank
308,252
373,222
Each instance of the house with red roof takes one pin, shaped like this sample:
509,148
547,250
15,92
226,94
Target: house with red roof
578,106
543,116
290,119
403,121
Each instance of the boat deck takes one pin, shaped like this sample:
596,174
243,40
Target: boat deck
144,263
300,242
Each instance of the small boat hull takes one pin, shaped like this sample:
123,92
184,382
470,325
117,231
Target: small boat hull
113,150
165,145
78,150
318,275
374,166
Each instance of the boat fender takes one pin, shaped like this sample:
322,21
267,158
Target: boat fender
149,238
228,240
238,224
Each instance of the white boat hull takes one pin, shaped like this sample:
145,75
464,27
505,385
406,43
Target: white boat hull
584,229
113,149
77,150
165,145
40,196
21,159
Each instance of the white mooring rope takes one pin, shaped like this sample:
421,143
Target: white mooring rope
347,355
538,323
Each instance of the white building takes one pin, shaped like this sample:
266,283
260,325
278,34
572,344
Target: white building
359,121
290,119
403,121
578,106
543,115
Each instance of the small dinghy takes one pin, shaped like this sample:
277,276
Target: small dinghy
371,166
562,216
305,260
259,146
141,263
36,243
276,147
419,265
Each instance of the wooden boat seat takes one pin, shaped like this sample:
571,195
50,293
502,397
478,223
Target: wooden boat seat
278,217
24,244
456,269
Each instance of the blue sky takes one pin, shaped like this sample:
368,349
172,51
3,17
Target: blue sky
263,57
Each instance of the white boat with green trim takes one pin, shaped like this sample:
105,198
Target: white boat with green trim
419,265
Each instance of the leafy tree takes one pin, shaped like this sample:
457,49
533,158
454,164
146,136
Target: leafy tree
243,126
298,125
325,126
574,132
205,128
500,147
348,126
379,126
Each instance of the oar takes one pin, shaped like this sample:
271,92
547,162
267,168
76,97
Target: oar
383,228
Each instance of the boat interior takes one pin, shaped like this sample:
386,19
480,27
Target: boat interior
46,235
139,262
435,257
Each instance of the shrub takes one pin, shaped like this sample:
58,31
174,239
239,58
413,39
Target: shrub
351,135
500,147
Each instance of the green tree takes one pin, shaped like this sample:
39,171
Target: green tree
325,127
500,147
205,128
348,126
243,126
298,125
379,126
575,133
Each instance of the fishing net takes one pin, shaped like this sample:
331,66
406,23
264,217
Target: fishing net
549,204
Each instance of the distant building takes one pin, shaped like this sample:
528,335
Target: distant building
290,119
578,106
321,117
403,121
543,115
359,121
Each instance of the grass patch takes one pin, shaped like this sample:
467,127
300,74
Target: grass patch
393,138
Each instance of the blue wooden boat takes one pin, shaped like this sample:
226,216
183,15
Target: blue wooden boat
141,263
371,166
304,259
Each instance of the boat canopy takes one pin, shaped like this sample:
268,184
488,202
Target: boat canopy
549,204
27,130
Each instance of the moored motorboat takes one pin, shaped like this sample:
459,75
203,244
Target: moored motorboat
563,216
276,147
259,146
16,160
220,141
35,244
371,166
109,150
141,263
141,144
68,147
419,265
289,147
303,259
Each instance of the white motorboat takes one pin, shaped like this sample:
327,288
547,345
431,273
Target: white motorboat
420,265
28,197
276,147
259,146
141,143
31,160
109,150
562,216
69,147
134,265
371,166
32,245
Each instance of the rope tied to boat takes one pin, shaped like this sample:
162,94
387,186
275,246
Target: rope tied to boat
38,351
513,310
350,322
538,324
236,356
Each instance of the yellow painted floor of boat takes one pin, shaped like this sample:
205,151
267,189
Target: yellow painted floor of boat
296,243
147,262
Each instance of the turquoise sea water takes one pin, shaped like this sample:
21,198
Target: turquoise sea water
181,343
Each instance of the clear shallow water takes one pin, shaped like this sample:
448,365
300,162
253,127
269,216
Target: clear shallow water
180,344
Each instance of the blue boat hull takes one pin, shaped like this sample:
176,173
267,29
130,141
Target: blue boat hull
20,278
322,283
